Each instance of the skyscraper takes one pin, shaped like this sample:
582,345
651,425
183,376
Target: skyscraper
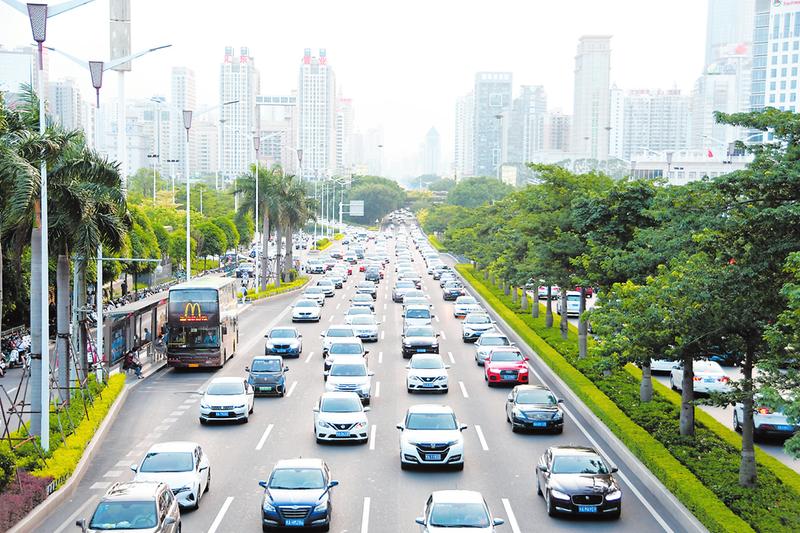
557,132
590,120
730,22
654,120
316,101
345,124
184,96
206,136
239,80
431,155
492,105
66,104
462,151
526,129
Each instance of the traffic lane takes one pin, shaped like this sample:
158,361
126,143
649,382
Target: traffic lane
643,489
724,415
164,407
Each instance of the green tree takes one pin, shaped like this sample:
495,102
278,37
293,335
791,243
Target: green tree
226,224
211,241
472,192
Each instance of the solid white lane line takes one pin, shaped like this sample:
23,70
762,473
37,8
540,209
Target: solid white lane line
444,335
512,520
450,355
383,335
377,389
264,437
463,389
364,516
385,306
380,357
70,523
309,356
481,438
220,515
11,391
372,431
291,389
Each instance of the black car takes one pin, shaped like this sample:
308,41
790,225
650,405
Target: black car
576,480
534,407
267,375
419,339
372,274
452,290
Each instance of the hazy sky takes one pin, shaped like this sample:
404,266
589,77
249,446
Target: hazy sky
402,63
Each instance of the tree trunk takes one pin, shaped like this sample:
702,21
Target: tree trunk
523,300
563,323
748,476
278,268
506,288
36,328
514,294
80,269
535,305
646,386
486,275
289,263
492,278
583,329
62,326
548,313
687,397
264,250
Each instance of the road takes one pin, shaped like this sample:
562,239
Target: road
374,494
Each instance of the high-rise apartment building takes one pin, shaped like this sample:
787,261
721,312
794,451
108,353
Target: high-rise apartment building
464,127
345,125
526,128
653,120
590,122
725,87
65,104
240,82
184,96
19,67
316,106
557,132
431,153
206,137
492,104
730,22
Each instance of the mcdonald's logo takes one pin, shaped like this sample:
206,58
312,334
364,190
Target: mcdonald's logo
193,313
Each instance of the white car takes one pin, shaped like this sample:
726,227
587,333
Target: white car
708,377
334,333
306,311
663,366
363,300
430,435
328,287
227,399
350,374
417,315
339,416
356,310
427,372
766,421
365,327
181,465
447,511
465,305
475,325
488,342
315,293
573,304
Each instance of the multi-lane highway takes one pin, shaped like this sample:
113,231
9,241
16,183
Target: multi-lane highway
374,494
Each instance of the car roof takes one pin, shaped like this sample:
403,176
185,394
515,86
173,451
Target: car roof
234,379
267,358
339,326
280,328
430,408
521,388
306,300
346,340
173,446
457,496
417,306
572,450
302,462
132,490
339,394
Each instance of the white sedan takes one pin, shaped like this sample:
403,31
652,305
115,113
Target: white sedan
227,399
427,372
339,416
708,377
181,465
306,311
465,305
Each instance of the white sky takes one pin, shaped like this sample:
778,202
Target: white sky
403,63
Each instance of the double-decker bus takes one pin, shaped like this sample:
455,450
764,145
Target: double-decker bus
202,323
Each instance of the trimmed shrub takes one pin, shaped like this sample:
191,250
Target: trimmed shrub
323,243
20,498
7,468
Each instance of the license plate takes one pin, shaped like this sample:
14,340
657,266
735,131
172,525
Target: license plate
540,424
280,350
194,365
421,350
785,427
222,414
427,385
433,457
587,509
509,378
264,389
295,522
342,433
709,380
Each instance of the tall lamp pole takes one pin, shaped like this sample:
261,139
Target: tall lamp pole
219,159
187,123
257,147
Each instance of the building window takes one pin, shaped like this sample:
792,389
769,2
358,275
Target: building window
776,27
772,99
794,84
783,97
793,97
773,73
786,46
784,59
772,86
774,60
787,24
783,85
783,72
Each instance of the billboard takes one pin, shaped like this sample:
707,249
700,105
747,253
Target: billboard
356,208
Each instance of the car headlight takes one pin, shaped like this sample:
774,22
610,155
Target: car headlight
268,507
204,406
558,415
360,425
185,488
454,442
435,345
614,495
558,494
365,387
414,378
517,413
523,370
321,506
324,424
238,406
270,346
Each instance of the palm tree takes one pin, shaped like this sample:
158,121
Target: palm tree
267,179
297,210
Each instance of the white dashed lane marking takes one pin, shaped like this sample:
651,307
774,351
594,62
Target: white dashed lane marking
463,389
481,438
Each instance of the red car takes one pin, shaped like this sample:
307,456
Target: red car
589,291
506,365
362,267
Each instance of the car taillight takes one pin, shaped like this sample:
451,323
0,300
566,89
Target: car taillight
724,379
764,411
696,378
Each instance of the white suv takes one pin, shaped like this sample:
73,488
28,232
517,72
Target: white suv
350,374
431,436
427,372
339,416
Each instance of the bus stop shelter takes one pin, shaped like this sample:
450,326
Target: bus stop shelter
125,327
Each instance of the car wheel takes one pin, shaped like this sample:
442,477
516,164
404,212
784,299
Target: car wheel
202,422
445,391
250,412
514,428
460,466
326,527
245,420
208,482
404,466
367,401
538,487
551,508
196,505
737,425
409,390
672,384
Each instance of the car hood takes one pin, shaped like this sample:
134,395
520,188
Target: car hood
175,480
343,418
432,436
293,497
294,343
427,372
298,310
434,529
348,380
506,365
419,341
224,399
583,483
478,327
418,321
266,377
486,349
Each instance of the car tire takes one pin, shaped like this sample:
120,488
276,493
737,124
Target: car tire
196,505
538,487
737,425
460,466
514,428
250,412
672,384
551,508
326,527
208,482
445,391
203,422
404,466
367,401
245,420
410,391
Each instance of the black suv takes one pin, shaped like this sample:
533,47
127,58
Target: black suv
419,339
372,274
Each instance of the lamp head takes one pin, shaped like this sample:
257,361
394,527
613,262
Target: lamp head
37,13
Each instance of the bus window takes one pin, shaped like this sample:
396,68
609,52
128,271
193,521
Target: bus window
189,337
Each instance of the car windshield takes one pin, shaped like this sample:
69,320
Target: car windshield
426,362
478,319
506,356
579,464
465,300
226,388
492,340
266,365
340,405
404,284
324,283
419,332
366,320
296,478
314,290
366,285
306,303
120,515
452,285
189,337
459,515
346,348
348,370
706,366
418,313
431,421
283,334
536,396
167,462
359,310
573,297
340,332
362,298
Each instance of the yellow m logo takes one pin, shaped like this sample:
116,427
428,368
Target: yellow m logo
192,309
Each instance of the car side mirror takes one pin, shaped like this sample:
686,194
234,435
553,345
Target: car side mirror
326,373
560,400
286,369
81,524
446,367
366,409
420,520
462,427
168,521
262,484
401,427
437,335
510,399
614,469
300,336
315,409
333,484
135,468
247,369
542,468
498,522
366,352
408,366
676,367
370,373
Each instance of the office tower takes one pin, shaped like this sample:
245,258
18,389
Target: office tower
316,106
206,136
526,129
431,154
184,96
590,121
730,22
616,119
654,120
239,82
492,105
557,132
465,121
277,118
20,67
65,104
345,124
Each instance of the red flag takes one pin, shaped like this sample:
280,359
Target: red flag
710,153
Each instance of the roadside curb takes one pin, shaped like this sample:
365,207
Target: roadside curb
38,514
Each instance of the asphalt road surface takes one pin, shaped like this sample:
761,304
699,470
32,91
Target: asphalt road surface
374,495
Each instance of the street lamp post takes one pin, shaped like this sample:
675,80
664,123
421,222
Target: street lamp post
157,154
172,176
187,123
219,158
257,147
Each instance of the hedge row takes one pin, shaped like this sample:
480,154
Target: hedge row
272,290
698,498
338,236
323,243
436,243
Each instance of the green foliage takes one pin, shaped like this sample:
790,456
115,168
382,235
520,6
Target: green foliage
473,192
323,243
211,241
7,468
272,290
435,243
381,196
177,251
442,185
246,229
227,225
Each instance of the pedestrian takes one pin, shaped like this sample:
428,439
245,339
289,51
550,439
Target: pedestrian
132,361
147,337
